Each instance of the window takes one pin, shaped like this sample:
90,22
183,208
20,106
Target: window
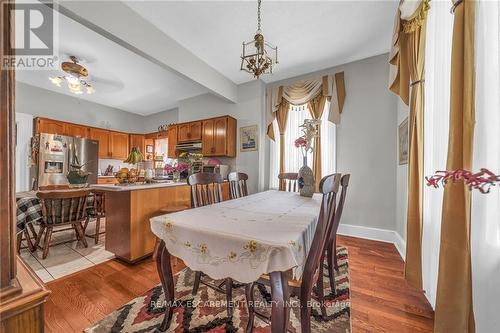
293,156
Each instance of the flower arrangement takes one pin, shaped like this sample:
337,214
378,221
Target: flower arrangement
482,180
310,131
178,167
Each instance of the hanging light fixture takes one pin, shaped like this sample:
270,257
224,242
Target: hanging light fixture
75,75
258,56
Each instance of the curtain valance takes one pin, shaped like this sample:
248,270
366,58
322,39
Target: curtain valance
331,87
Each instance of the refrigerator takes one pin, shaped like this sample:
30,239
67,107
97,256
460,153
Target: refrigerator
54,154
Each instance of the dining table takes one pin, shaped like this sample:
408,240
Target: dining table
269,232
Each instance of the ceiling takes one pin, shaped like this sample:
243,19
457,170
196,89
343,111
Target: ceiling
310,35
122,79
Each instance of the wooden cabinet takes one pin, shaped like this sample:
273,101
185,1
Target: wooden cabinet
172,142
76,130
43,125
138,140
104,141
219,137
119,149
107,180
189,132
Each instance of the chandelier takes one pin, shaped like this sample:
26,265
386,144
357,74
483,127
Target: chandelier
74,76
258,56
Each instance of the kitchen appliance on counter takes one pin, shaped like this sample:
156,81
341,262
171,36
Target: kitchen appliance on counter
53,155
221,169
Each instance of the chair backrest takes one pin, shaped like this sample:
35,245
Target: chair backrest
329,187
332,234
238,184
288,181
206,188
61,207
53,187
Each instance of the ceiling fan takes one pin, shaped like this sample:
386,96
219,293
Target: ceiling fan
75,76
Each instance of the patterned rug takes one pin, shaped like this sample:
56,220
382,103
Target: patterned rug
206,312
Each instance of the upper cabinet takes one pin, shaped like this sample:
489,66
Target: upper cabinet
189,132
119,145
172,141
138,140
50,126
219,137
77,130
104,141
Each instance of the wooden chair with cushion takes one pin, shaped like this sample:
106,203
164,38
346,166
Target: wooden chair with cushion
288,181
97,211
23,232
206,189
329,186
331,245
238,184
62,208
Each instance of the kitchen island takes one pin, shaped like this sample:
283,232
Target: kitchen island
129,208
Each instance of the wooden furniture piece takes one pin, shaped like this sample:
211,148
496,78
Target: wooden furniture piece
238,184
189,132
24,234
172,141
98,212
104,141
329,186
138,140
61,208
288,181
219,137
22,293
119,145
227,233
51,126
53,187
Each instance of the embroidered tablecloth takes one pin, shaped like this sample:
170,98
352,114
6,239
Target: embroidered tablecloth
243,238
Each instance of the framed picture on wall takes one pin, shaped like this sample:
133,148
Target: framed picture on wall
149,149
248,138
403,150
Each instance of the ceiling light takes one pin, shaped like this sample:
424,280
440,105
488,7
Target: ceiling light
258,56
74,76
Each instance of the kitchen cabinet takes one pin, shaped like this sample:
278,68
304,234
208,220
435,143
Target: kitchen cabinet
43,125
219,137
172,142
119,148
189,132
76,130
104,141
138,140
107,180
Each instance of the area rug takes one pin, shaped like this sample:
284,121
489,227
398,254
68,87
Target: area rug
206,312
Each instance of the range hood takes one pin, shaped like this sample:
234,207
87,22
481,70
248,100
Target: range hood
188,146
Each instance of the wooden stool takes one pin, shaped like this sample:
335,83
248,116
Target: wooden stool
168,210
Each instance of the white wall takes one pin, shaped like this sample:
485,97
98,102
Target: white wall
367,142
401,179
248,111
24,130
150,123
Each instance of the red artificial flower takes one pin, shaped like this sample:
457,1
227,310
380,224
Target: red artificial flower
482,181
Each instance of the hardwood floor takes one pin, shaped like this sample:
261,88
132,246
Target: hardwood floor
382,301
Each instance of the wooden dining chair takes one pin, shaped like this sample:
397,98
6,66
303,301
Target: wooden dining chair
54,187
206,189
97,211
23,233
329,186
62,208
331,245
288,181
238,184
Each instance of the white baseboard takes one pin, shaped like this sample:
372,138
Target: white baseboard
382,235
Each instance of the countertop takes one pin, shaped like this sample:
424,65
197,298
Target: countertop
117,188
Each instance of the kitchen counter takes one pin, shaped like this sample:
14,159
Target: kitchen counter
129,208
134,187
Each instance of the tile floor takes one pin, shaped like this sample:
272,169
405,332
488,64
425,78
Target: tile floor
67,258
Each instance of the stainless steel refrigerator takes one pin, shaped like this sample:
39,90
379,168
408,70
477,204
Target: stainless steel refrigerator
54,154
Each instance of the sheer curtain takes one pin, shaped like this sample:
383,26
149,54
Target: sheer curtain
436,119
485,222
293,156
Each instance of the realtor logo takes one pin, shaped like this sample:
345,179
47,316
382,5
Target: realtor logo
35,36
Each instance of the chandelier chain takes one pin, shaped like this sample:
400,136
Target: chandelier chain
258,14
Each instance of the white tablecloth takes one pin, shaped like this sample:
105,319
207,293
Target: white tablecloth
243,238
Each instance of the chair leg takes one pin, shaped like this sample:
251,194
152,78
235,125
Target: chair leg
19,240
79,231
320,290
196,285
31,248
331,264
250,306
39,236
46,242
334,250
32,229
229,297
305,311
97,228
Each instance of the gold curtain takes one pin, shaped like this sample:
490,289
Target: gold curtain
454,311
282,119
316,107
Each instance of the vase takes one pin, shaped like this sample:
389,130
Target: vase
306,180
176,176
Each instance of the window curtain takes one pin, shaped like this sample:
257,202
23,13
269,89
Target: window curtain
293,156
407,69
437,113
316,107
454,311
281,119
485,228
